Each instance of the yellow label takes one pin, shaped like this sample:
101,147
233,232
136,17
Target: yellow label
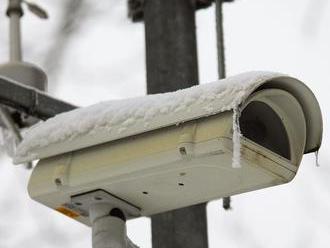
67,212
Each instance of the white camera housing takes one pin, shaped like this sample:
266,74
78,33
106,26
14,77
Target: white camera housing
186,162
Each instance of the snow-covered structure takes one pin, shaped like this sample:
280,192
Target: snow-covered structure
113,120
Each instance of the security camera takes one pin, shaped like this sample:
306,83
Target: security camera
157,153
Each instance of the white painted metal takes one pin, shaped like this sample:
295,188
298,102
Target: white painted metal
176,166
82,203
291,114
108,231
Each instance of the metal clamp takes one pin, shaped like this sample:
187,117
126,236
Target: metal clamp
81,203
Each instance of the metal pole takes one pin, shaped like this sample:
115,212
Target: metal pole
15,37
171,51
220,39
15,12
171,57
108,231
108,227
221,63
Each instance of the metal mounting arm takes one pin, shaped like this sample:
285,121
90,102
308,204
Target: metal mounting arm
107,231
107,215
31,101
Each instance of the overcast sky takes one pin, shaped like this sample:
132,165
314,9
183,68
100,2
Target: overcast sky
105,60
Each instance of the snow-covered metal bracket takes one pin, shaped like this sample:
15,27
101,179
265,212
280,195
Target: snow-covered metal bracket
30,101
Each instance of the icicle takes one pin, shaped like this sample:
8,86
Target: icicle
317,159
236,163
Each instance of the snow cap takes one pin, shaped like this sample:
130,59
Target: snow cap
116,119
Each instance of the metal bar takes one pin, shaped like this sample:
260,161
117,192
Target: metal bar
15,37
31,101
171,54
180,228
220,39
226,201
15,12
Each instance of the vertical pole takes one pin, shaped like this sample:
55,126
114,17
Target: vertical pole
171,51
221,63
171,54
15,38
108,231
220,39
15,12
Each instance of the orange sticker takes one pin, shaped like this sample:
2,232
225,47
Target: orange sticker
67,212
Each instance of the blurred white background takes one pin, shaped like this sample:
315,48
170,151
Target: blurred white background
102,58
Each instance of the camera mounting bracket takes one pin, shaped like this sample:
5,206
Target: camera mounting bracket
81,203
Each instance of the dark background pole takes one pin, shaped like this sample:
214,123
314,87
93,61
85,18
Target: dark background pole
226,203
221,62
220,39
171,55
171,51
